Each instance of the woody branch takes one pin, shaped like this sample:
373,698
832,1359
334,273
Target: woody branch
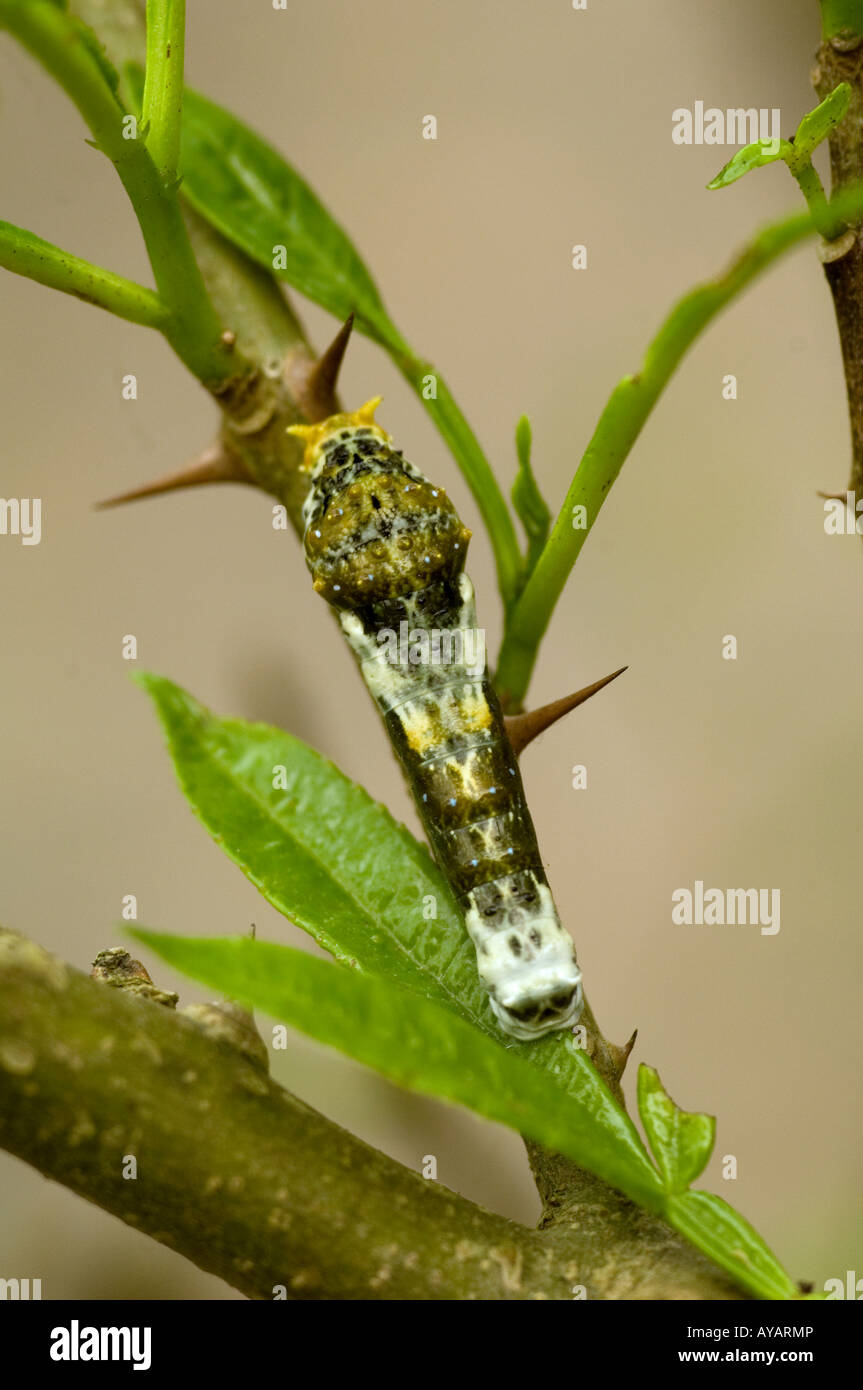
840,59
252,1185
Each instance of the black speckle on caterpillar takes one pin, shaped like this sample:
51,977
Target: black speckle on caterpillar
386,549
375,528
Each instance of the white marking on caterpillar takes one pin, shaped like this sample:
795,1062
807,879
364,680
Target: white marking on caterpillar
387,561
527,964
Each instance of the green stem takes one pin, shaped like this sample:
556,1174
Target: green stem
26,254
813,191
476,470
248,300
838,16
63,48
163,83
621,421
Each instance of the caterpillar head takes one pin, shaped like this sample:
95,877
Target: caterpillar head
375,527
526,958
551,998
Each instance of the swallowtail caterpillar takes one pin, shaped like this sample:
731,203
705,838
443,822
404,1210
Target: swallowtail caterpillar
386,548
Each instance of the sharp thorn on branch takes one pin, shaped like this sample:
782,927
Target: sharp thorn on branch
522,729
314,383
621,1054
214,465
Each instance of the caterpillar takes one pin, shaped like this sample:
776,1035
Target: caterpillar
386,549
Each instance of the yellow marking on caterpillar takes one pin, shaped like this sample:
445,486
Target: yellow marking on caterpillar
314,435
475,713
424,732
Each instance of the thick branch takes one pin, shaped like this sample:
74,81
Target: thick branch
840,59
252,1185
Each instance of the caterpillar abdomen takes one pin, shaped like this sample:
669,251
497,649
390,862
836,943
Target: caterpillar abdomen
387,550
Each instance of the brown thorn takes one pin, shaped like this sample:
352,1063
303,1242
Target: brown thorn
620,1055
522,729
833,496
314,383
214,465
324,374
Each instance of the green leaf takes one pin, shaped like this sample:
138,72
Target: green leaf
728,1239
751,157
254,197
530,505
421,1046
320,850
337,864
681,1141
817,124
334,862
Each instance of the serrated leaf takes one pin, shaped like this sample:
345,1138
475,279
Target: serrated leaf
681,1140
333,860
817,124
423,1047
318,848
420,1045
728,1239
336,863
752,156
529,503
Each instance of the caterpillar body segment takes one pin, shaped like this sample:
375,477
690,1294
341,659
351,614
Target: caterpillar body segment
386,549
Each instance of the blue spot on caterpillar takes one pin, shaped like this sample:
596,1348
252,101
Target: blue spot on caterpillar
386,549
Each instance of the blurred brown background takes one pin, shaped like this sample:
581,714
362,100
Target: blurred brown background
554,128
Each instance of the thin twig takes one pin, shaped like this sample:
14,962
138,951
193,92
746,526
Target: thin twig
619,426
192,327
26,254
